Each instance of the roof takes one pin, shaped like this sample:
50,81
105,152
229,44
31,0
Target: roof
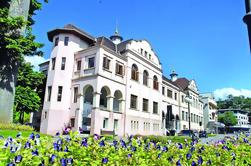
182,83
108,43
69,28
170,81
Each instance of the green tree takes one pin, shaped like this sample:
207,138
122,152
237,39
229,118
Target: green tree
228,119
29,91
237,102
16,40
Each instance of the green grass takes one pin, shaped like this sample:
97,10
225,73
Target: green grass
13,133
211,135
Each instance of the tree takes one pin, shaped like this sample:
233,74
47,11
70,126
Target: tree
237,102
16,40
29,91
228,119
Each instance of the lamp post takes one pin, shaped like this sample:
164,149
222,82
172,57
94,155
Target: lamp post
188,99
247,19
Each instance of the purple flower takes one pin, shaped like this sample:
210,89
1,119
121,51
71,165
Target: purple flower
202,148
63,161
180,146
96,137
52,158
6,145
59,142
159,155
105,160
57,134
188,156
178,163
192,149
133,148
164,149
35,153
115,143
27,145
84,142
66,149
123,144
129,155
69,161
32,136
193,163
200,160
37,136
158,147
11,164
10,139
18,159
217,154
13,149
102,143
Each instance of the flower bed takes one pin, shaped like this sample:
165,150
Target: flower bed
74,150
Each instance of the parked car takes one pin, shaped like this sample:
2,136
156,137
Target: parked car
189,133
203,134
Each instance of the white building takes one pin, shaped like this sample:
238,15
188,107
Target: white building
100,84
209,112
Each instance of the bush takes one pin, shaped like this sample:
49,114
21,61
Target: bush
74,150
13,126
163,139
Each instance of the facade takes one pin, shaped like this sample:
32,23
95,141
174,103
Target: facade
242,118
100,84
209,112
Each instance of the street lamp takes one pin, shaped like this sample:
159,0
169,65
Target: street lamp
188,99
247,19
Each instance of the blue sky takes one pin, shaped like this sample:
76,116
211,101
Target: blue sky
202,40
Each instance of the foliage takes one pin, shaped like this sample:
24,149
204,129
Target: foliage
227,118
29,90
238,102
13,133
164,139
15,127
74,150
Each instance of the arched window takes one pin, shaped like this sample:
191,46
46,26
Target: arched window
103,97
155,83
145,77
117,101
135,73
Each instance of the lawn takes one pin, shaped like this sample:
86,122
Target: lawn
13,133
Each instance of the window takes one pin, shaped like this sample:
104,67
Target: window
134,73
49,93
119,69
155,83
150,56
163,90
75,94
115,125
131,125
186,116
63,63
182,99
175,96
72,122
91,62
56,41
133,102
141,51
145,53
191,117
60,90
106,63
145,105
155,107
66,41
53,61
145,77
45,115
183,115
105,123
169,93
78,65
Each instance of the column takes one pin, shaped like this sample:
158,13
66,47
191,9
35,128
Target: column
95,121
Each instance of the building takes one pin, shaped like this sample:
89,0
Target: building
209,112
242,118
100,84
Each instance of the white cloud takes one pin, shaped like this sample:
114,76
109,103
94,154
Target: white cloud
224,92
35,61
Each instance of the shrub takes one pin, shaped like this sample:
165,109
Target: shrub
163,139
13,126
74,150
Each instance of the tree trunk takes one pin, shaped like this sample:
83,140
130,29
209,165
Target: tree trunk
9,67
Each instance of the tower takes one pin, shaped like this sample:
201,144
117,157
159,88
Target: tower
116,38
174,76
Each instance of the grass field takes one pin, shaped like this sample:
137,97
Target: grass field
13,133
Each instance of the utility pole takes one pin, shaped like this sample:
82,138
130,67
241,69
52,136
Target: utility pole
247,19
9,68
